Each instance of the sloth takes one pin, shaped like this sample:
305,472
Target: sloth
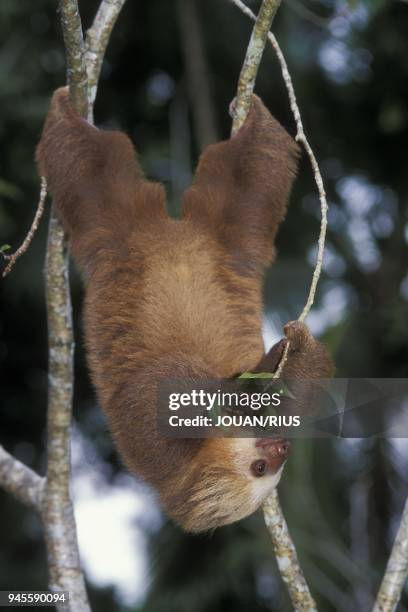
179,298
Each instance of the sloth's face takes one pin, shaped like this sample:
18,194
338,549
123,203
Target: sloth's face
234,477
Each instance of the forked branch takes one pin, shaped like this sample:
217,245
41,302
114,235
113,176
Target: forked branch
50,496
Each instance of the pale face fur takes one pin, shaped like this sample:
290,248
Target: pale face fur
245,453
224,490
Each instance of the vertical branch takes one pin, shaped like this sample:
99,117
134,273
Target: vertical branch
252,60
97,38
300,137
50,496
199,86
286,555
396,573
324,207
77,78
58,514
284,548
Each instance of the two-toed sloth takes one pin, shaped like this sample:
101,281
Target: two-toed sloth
169,298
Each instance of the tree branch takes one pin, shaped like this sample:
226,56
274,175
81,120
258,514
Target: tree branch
58,514
97,39
300,137
286,555
284,548
324,207
50,496
252,60
30,235
77,77
396,572
19,480
65,571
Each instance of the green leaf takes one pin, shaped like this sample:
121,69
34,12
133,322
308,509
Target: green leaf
5,247
283,389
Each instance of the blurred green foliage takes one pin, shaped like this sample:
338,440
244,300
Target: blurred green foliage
342,499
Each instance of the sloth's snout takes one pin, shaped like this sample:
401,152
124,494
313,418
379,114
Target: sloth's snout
274,450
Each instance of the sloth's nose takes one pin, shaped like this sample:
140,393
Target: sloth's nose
274,447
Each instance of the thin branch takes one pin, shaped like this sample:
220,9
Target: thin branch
285,551
300,137
396,573
77,77
96,42
30,235
65,571
97,39
286,555
58,516
252,60
199,86
51,496
283,359
19,480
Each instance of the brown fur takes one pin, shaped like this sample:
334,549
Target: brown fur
171,298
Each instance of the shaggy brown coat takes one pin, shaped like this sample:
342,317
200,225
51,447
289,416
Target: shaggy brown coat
170,298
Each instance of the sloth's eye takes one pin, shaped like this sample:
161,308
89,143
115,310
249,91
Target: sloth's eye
258,468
